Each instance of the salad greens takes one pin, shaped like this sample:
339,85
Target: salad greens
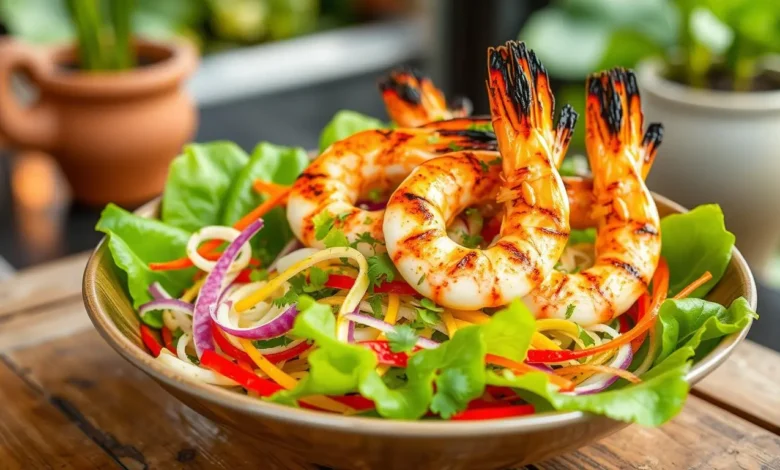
344,124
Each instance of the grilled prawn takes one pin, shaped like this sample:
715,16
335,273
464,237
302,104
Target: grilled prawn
628,244
536,211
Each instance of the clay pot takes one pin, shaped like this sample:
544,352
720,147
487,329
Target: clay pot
113,133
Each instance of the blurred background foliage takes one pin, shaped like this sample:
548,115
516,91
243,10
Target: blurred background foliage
702,43
213,25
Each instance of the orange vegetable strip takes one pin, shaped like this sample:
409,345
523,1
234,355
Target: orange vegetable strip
573,370
693,286
522,368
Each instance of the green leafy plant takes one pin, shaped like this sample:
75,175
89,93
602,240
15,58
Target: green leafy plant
104,33
695,38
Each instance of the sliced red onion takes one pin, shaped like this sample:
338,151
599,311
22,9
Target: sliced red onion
174,305
600,382
371,205
277,326
211,291
291,246
157,291
385,327
351,332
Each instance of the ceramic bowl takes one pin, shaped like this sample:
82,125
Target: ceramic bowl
361,443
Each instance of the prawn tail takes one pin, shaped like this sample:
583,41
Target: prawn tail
564,133
650,143
412,99
614,117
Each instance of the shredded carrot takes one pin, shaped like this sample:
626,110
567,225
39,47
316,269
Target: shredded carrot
693,286
268,188
210,247
473,316
521,368
279,376
574,370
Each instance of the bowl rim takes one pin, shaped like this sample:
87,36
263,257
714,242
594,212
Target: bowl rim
365,425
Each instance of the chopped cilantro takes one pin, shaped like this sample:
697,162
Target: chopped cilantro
380,269
487,127
402,338
496,161
570,310
454,147
323,222
454,388
375,301
317,279
257,275
335,238
585,337
430,305
290,297
193,359
434,139
272,343
368,239
343,216
368,220
485,167
421,280
470,241
375,195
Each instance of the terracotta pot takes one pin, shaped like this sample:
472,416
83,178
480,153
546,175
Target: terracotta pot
719,147
113,133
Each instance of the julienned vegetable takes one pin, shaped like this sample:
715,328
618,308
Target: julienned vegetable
334,330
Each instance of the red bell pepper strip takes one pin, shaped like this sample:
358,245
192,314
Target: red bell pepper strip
227,347
150,341
493,413
294,351
660,289
340,281
491,229
248,380
356,402
168,340
624,323
384,355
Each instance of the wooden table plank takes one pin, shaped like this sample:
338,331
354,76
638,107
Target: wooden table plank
42,323
42,285
748,384
35,434
120,401
122,404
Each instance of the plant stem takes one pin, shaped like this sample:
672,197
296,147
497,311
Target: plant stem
86,19
121,16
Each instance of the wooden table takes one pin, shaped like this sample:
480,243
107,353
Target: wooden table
69,401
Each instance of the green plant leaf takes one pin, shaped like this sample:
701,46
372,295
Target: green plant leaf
134,242
198,183
693,243
344,124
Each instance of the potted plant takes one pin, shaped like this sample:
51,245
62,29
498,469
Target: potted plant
111,109
703,68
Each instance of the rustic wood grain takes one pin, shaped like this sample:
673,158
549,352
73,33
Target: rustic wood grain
35,434
43,285
145,426
39,324
748,385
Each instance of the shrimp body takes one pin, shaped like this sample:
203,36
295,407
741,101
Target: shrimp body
412,99
369,160
535,224
628,243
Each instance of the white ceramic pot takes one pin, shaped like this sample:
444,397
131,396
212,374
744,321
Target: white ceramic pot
721,147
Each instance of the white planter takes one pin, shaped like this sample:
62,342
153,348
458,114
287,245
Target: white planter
720,147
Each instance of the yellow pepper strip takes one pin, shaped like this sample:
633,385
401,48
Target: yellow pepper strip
352,299
333,300
461,323
556,324
280,377
449,322
391,316
473,316
426,332
539,341
190,293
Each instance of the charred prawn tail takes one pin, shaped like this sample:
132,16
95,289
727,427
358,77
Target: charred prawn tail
615,121
412,99
522,104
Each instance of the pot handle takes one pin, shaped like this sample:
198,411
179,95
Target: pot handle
33,126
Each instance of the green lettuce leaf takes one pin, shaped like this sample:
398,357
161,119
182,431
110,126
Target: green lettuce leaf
587,235
344,124
198,182
650,403
134,242
680,320
268,162
693,243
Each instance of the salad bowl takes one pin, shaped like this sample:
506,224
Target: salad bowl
360,442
